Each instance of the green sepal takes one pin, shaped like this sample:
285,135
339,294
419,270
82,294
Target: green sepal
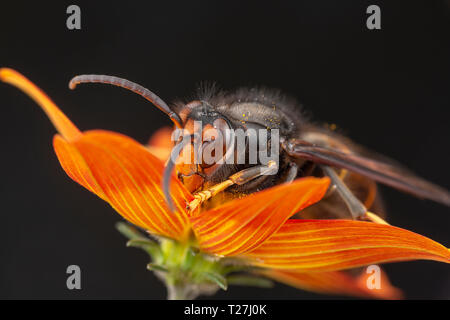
129,231
217,279
247,280
149,246
230,268
156,267
138,240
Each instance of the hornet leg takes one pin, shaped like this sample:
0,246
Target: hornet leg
238,178
357,209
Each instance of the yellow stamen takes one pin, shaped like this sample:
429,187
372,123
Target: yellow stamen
64,126
204,195
375,218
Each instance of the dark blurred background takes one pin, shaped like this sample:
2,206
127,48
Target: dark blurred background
387,89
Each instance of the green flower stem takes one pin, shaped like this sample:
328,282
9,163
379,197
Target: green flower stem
186,272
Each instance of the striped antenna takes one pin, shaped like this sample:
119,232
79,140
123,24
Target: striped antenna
126,84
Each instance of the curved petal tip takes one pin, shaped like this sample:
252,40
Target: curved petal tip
64,126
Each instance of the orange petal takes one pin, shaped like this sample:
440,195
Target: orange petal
160,143
327,245
242,225
64,126
125,174
334,282
116,168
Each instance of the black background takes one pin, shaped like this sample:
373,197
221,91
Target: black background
387,89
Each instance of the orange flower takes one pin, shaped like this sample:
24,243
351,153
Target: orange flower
254,230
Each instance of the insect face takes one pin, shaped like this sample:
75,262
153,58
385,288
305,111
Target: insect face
209,145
